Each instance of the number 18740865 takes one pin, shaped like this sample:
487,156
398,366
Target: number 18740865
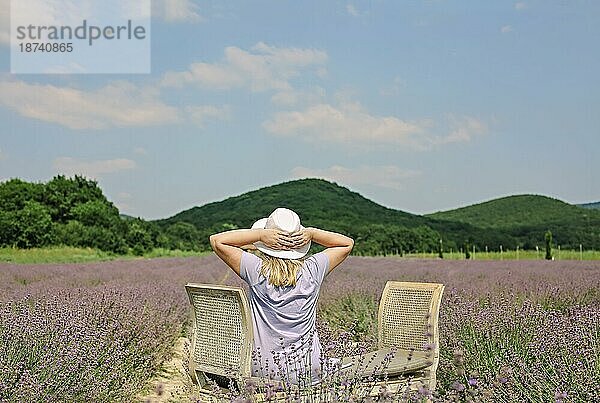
46,47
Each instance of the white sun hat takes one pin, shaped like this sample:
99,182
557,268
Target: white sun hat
285,220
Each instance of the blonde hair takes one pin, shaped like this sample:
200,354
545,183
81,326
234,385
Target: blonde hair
279,272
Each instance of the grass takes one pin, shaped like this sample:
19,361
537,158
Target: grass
68,254
512,255
161,252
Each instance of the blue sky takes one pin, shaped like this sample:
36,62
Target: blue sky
418,105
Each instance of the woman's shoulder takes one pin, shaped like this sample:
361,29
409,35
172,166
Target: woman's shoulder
249,267
317,264
317,257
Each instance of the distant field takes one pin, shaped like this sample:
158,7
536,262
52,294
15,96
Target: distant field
67,254
513,255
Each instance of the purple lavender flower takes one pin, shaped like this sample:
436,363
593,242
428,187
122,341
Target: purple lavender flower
459,387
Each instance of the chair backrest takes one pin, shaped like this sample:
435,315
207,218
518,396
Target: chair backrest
222,339
408,318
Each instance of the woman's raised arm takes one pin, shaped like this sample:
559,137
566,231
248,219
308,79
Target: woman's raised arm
338,246
227,245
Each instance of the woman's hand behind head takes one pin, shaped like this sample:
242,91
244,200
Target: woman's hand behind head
301,237
277,239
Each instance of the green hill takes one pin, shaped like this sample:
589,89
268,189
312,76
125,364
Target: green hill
525,217
511,211
317,201
323,204
509,221
595,205
75,212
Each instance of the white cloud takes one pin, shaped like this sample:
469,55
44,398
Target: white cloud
346,124
39,12
176,10
262,68
67,68
521,5
72,12
118,104
352,10
92,169
350,124
385,176
295,97
140,151
321,72
461,130
506,29
199,114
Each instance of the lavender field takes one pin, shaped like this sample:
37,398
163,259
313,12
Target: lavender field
511,331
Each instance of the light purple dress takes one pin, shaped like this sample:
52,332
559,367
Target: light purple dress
284,320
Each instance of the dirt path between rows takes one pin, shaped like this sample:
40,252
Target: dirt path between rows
172,383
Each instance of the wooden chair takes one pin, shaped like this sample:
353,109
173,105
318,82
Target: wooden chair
222,341
408,314
407,331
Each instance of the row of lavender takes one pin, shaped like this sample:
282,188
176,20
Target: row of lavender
89,332
511,330
519,331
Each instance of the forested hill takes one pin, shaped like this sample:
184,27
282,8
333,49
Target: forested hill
324,204
511,211
75,212
317,201
523,216
510,221
595,205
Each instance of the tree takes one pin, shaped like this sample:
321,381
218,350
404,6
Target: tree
138,237
15,193
548,237
62,194
74,233
184,236
8,228
96,213
105,239
32,226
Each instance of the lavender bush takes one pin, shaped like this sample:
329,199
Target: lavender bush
530,327
511,331
92,332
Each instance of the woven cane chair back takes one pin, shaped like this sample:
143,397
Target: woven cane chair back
408,320
408,315
222,338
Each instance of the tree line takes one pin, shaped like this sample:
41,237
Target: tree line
75,212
